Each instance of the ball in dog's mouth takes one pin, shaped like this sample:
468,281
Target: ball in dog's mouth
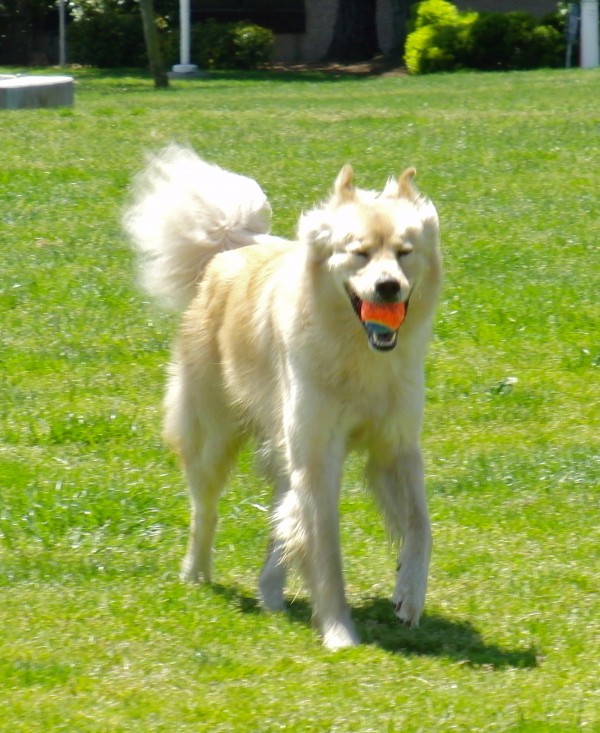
381,321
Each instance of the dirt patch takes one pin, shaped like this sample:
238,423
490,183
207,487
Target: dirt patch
379,66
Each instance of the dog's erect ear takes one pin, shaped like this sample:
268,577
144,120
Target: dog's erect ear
314,229
405,184
402,187
343,189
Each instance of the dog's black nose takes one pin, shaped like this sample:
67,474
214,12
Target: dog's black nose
387,289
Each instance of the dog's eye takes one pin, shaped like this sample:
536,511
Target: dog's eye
361,253
403,252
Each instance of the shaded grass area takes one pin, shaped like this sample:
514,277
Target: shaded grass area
98,633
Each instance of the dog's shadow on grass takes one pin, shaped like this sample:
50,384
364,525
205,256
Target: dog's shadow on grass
436,636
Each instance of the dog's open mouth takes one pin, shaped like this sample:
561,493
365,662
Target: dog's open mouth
381,321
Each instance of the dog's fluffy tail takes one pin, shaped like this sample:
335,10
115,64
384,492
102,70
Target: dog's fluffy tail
183,212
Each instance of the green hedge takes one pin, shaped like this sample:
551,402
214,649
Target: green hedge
231,45
108,39
444,39
111,39
514,41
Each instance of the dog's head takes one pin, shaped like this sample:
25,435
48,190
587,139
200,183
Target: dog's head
378,248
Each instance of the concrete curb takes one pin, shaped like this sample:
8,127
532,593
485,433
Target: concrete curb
20,92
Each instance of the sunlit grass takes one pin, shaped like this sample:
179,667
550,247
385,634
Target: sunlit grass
97,632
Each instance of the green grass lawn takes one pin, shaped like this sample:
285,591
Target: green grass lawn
97,633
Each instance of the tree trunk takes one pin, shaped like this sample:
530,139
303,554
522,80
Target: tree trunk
354,32
157,67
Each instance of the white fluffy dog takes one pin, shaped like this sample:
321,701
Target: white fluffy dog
315,347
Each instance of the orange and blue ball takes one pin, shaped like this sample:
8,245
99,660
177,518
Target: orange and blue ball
382,316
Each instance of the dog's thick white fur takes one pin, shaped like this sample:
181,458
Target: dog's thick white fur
272,345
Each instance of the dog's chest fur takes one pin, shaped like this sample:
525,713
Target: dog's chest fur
276,326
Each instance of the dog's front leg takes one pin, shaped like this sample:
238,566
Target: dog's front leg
399,487
308,525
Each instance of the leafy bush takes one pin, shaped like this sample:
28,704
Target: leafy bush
435,12
514,41
226,45
440,41
445,39
231,45
498,40
107,39
420,45
211,44
253,45
548,46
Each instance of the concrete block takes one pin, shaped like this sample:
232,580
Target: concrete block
187,71
19,92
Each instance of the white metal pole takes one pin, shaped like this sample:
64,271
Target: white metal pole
184,26
184,66
589,34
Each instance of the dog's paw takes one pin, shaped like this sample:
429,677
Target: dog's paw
188,576
409,599
409,616
191,573
337,635
271,584
271,598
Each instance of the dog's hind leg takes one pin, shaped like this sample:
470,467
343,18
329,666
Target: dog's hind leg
399,487
206,473
199,424
273,575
